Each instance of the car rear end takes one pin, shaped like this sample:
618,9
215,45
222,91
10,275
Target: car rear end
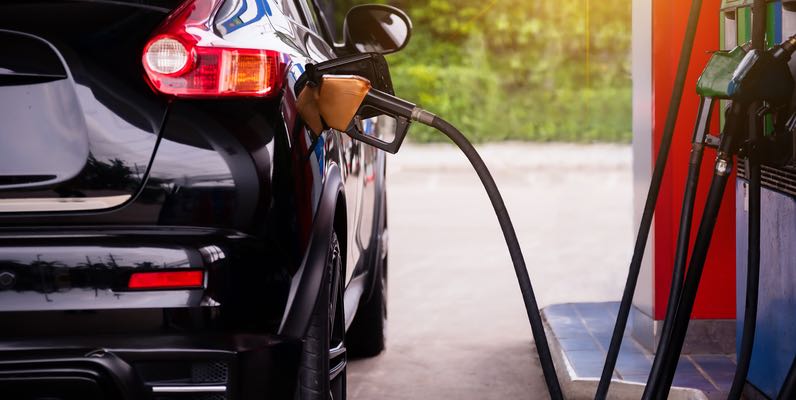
166,314
100,296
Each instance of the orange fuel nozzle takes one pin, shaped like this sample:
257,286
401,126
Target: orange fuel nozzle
333,101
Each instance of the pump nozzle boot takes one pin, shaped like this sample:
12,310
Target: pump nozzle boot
784,50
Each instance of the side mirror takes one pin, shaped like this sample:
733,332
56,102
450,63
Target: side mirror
376,28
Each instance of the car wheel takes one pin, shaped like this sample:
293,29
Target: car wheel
367,335
324,358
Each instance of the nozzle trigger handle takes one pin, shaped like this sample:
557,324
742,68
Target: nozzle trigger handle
385,104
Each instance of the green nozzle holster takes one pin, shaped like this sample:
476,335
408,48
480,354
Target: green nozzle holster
716,78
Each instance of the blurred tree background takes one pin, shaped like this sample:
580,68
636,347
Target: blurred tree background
517,69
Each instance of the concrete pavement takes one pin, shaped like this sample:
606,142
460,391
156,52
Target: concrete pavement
457,327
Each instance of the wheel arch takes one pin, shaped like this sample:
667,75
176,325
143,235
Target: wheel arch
306,283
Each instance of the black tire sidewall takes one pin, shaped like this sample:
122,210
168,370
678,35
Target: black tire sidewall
314,364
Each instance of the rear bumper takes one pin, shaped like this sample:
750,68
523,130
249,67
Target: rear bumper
212,366
89,268
70,329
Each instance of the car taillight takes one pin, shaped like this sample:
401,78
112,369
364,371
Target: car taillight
185,58
166,280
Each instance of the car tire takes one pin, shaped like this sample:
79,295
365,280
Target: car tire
322,373
367,335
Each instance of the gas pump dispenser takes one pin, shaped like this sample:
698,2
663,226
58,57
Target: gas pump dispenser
758,83
774,346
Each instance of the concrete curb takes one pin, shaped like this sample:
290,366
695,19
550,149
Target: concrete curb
577,388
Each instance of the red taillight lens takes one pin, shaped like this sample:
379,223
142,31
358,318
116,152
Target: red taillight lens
166,280
187,64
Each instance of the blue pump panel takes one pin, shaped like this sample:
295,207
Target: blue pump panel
775,339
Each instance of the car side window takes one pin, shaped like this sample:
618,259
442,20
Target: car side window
311,16
325,10
315,20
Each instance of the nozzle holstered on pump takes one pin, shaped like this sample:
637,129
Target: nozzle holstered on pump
757,75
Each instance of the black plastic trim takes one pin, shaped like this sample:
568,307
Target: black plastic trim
306,283
113,376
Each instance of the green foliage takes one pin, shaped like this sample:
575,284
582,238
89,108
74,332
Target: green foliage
518,69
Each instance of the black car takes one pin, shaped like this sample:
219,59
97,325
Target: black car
169,227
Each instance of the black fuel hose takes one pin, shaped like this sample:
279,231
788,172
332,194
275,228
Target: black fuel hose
528,297
759,16
660,380
752,281
686,218
649,206
788,390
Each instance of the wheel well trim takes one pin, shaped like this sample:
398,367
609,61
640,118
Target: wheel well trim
306,283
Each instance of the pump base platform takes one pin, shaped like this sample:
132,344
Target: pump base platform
579,334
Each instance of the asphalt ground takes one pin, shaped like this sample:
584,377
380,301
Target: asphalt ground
457,327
